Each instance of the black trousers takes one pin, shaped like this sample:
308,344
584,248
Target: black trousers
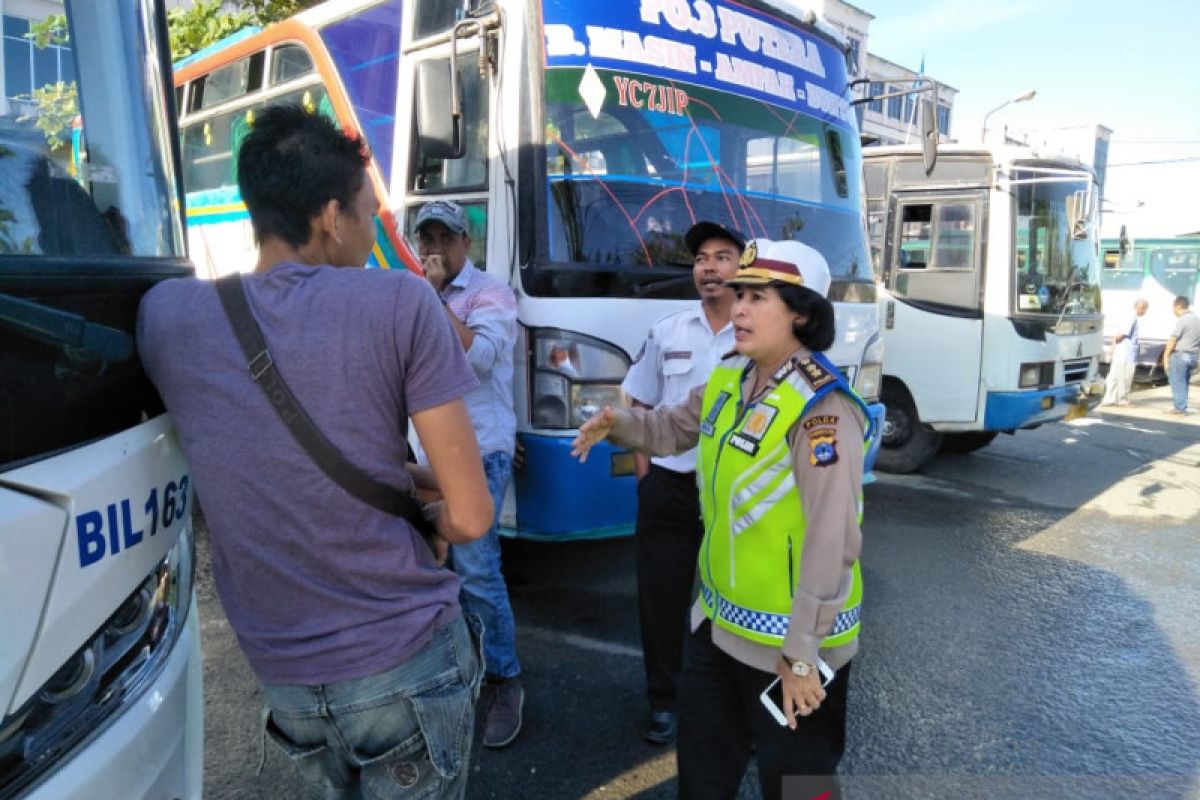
721,720
669,531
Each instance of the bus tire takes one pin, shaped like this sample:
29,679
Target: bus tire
907,443
967,442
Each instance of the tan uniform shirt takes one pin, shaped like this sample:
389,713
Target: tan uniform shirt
830,495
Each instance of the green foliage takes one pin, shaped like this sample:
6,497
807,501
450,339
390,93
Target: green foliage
204,23
57,106
51,30
197,27
191,29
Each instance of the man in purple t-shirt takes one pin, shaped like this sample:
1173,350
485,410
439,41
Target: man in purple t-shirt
369,670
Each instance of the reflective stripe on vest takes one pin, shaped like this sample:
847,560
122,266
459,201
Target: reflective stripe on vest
754,524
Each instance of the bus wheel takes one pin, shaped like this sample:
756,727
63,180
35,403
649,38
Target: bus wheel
967,442
907,442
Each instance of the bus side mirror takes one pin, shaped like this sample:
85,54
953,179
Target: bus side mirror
929,134
440,124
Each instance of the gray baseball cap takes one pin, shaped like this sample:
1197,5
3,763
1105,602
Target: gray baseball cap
449,214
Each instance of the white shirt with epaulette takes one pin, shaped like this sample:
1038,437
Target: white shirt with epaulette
678,355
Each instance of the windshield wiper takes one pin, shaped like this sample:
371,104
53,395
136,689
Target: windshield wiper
643,289
1071,286
80,338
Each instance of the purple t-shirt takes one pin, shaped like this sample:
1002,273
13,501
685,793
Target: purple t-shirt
318,586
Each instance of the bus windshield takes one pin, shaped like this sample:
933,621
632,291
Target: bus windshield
87,169
89,209
1056,249
654,123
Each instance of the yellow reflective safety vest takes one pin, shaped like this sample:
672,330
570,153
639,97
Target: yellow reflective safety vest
754,522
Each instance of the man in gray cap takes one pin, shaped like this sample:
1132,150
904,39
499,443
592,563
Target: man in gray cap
483,310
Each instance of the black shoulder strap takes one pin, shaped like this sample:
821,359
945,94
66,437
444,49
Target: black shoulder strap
331,461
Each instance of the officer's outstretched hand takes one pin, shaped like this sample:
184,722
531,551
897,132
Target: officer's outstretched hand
592,431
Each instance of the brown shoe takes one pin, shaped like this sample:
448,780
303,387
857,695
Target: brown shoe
502,718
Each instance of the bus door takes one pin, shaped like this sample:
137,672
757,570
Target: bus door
934,270
426,86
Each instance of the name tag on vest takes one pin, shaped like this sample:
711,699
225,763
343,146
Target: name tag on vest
708,425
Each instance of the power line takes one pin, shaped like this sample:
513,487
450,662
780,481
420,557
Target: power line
1155,141
1158,161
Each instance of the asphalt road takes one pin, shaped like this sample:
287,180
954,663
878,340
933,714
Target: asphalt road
1029,631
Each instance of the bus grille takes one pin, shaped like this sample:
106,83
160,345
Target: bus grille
1076,370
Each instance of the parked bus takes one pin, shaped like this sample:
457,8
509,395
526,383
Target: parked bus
1158,270
584,140
100,670
990,290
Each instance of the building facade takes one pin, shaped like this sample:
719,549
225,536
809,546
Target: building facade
23,66
890,120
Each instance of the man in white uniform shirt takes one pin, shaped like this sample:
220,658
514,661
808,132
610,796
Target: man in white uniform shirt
679,353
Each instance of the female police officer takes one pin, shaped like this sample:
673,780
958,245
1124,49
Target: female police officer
781,442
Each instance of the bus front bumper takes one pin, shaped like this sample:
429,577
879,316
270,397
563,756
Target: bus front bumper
1009,411
559,499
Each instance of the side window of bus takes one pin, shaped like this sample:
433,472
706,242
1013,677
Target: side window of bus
937,236
476,228
436,16
1175,270
470,171
916,234
228,83
955,232
210,146
288,62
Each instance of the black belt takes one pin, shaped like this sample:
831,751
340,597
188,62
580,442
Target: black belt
690,477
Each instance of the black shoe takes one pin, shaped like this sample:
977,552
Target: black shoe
502,718
662,727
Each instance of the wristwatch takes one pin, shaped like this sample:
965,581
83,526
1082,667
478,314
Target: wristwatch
801,669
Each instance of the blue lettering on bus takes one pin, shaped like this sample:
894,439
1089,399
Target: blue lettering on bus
96,539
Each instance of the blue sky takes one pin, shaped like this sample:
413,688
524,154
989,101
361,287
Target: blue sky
1134,67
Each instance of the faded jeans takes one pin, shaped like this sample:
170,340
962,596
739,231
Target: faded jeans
405,732
484,592
1179,372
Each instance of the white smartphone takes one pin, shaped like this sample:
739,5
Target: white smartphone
772,696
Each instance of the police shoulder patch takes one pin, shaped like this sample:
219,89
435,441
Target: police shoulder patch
822,446
814,374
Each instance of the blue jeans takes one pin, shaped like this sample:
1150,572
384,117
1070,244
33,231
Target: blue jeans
484,592
405,732
1179,372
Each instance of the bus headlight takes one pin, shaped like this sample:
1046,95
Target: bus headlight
1038,373
108,673
573,377
869,381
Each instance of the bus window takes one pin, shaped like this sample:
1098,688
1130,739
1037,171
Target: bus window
228,83
436,16
955,234
470,171
915,236
1175,270
208,152
75,241
476,228
784,165
210,146
288,62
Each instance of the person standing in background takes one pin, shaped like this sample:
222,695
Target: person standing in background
1181,354
680,351
1123,364
483,311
